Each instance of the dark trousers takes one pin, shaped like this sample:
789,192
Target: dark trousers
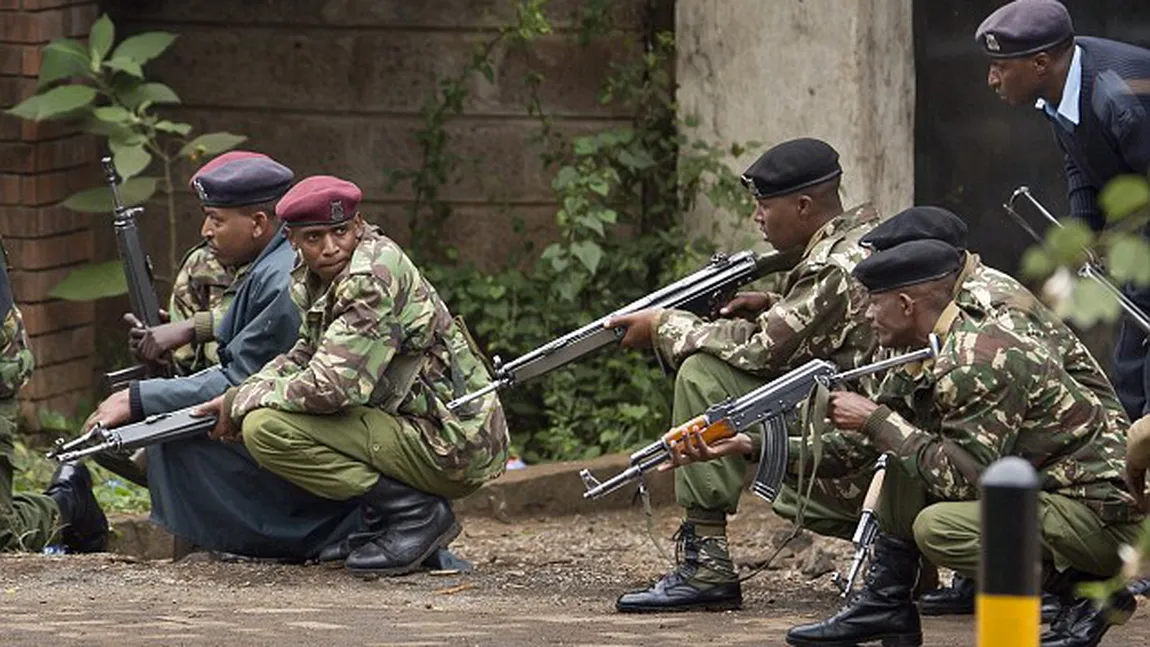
1132,360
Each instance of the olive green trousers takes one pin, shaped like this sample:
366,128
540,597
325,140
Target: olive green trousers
28,521
341,456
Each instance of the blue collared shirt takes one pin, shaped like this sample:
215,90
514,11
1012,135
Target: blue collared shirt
1068,107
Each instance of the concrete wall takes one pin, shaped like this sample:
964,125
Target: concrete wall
752,70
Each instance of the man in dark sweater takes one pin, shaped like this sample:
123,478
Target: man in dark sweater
1096,95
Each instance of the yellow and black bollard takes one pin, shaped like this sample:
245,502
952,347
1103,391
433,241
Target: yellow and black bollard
1008,611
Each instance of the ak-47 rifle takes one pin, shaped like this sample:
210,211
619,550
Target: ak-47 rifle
767,404
160,428
137,272
702,293
866,530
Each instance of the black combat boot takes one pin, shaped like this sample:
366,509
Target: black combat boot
704,579
415,525
881,610
955,600
340,550
1080,623
83,526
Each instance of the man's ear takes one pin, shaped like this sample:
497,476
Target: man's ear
906,303
1040,63
261,222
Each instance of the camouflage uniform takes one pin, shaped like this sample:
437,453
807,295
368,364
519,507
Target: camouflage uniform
364,390
200,291
982,292
820,315
992,393
27,521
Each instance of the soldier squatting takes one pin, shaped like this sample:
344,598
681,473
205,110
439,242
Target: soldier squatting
328,362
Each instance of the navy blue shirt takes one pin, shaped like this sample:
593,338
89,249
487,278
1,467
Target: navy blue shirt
261,323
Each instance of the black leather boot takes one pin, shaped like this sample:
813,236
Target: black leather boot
83,526
704,579
1081,624
881,610
955,600
339,551
1051,607
415,525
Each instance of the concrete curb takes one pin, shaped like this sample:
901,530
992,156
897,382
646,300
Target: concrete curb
548,490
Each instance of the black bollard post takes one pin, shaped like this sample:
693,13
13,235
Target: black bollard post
1008,611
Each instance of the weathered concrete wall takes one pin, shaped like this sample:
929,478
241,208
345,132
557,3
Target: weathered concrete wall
769,71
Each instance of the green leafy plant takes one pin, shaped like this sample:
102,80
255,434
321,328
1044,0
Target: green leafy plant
622,194
104,89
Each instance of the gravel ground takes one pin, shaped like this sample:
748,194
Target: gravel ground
546,581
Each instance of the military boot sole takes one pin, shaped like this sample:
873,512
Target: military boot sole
890,640
443,541
717,605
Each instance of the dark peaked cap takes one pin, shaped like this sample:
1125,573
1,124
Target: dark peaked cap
248,180
1023,28
917,223
791,166
910,263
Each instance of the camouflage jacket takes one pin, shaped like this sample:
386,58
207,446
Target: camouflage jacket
986,292
992,393
16,361
201,289
361,335
819,314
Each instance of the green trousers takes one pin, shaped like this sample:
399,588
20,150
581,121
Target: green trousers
948,533
715,486
341,456
28,521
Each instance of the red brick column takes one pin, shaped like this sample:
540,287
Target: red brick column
40,165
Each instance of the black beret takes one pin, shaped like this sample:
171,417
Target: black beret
791,166
910,263
249,180
917,223
1024,27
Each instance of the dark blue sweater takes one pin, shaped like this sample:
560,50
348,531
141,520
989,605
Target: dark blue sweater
1113,132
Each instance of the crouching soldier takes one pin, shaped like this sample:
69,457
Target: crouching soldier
356,410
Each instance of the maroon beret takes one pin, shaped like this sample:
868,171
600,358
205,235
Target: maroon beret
319,200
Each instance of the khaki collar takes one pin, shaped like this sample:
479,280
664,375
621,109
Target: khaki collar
941,328
969,264
821,234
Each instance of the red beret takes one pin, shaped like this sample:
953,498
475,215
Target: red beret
220,160
319,200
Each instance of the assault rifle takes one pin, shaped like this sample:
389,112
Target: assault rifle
767,404
866,530
160,428
701,293
137,272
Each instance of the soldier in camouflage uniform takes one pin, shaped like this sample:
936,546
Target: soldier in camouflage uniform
984,292
357,409
67,512
819,315
989,393
200,289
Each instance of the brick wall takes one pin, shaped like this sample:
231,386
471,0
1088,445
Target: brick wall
40,165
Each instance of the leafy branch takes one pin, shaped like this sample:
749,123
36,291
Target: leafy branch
105,91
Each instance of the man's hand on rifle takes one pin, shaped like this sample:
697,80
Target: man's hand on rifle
849,410
640,327
747,305
696,450
114,411
225,429
153,344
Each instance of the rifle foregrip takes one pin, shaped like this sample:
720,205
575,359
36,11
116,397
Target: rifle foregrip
875,489
710,433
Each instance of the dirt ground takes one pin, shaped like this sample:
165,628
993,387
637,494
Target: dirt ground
537,582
